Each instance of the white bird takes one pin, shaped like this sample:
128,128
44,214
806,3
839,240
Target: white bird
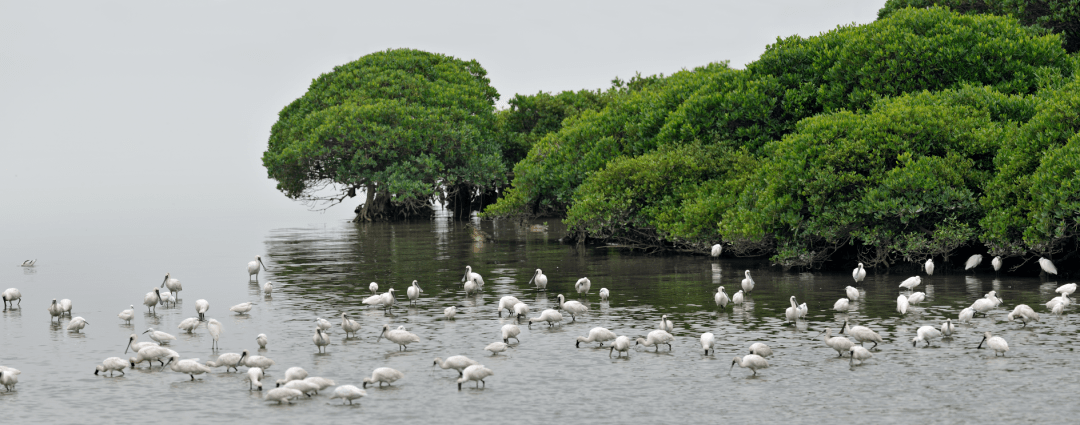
254,376
159,337
149,354
597,334
982,305
259,362
760,349
473,277
413,292
242,308
458,363
55,310
201,306
1024,313
152,299
582,286
947,328
750,361
862,334
507,303
166,298
29,263
261,340
802,310
842,304
656,338
136,346
450,312
572,307
400,336
1066,289
282,394
127,315
321,340
1058,308
471,287
550,316
253,268
852,293
10,295
622,345
474,373
292,374
348,393
748,283
859,274
229,360
973,261
929,267
1062,300
540,279
916,297
305,387
708,342
665,324
9,379
268,288
996,262
716,250
966,314
323,324
384,301
604,294
320,382
1047,266
496,347
792,313
66,305
215,331
77,324
521,310
510,330
349,325
721,298
383,375
995,343
111,364
911,282
373,287
839,343
858,353
737,298
188,325
173,285
925,334
902,304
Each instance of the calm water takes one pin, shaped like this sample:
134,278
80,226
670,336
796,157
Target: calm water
322,270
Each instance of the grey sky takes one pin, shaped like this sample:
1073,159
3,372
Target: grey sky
130,110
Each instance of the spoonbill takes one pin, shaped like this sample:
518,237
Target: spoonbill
254,377
229,360
1047,266
929,267
473,277
859,273
1066,289
188,325
282,394
750,361
348,393
656,338
622,345
925,334
305,387
708,342
458,363
29,263
159,337
842,304
983,305
111,364
665,324
400,336
597,334
737,298
550,316
996,262
792,313
127,315
902,304
911,282
760,349
166,298
321,340
152,299
1024,313
973,261
201,306
173,285
572,307
349,325
320,382
721,298
292,374
604,294
995,343
496,347
1058,308
916,297
450,312
862,334
136,346
242,308
507,303
149,354
413,292
383,375
510,330
858,353
373,287
852,293
838,343
323,324
11,295
384,301
253,268
947,328
582,286
66,305
9,379
77,324
55,310
268,288
258,361
471,287
716,250
215,331
261,340
748,283
966,314
521,310
540,279
475,373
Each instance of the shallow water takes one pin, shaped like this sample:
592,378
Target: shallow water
322,270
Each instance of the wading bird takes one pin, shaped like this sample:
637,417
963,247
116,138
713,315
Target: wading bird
1047,266
750,361
852,293
173,285
242,308
400,336
383,375
349,325
215,331
859,274
665,324
282,394
261,340
1024,313
996,262
458,363
604,294
11,295
475,373
947,328
995,343
77,324
550,316
839,343
761,349
188,325
622,345
748,283
858,353
413,292
721,298
496,347
597,334
973,262
510,330
540,279
348,393
572,307
127,315
929,267
473,277
862,334
507,303
911,282
229,360
925,334
582,286
159,337
201,306
708,342
656,338
253,268
111,364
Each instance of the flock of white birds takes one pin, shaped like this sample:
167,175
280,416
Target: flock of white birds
297,383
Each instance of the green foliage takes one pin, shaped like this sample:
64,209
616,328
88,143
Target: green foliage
531,117
1058,16
403,124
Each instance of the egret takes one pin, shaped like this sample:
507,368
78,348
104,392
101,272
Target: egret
838,343
760,349
859,273
321,340
572,307
159,337
111,364
582,286
136,346
862,334
323,324
510,330
916,297
282,394
383,375
737,298
241,308
966,314
373,287
77,324
349,325
348,393
254,376
748,283
858,353
947,328
929,267
29,263
127,315
258,361
901,304
750,361
473,277
229,360
622,344
540,279
292,374
656,338
604,294
475,373
496,347
450,312
842,304
188,325
201,306
708,342
521,310
973,261
597,334
995,343
721,298
413,292
268,288
9,379
925,334
716,250
400,336
1024,313
458,363
261,340
507,303
1047,266
305,387
66,305
215,331
173,285
852,293
996,262
792,313
550,316
911,282
253,268
1066,289
152,299
1062,300
55,310
11,295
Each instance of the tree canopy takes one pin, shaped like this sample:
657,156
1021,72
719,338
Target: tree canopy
1059,16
